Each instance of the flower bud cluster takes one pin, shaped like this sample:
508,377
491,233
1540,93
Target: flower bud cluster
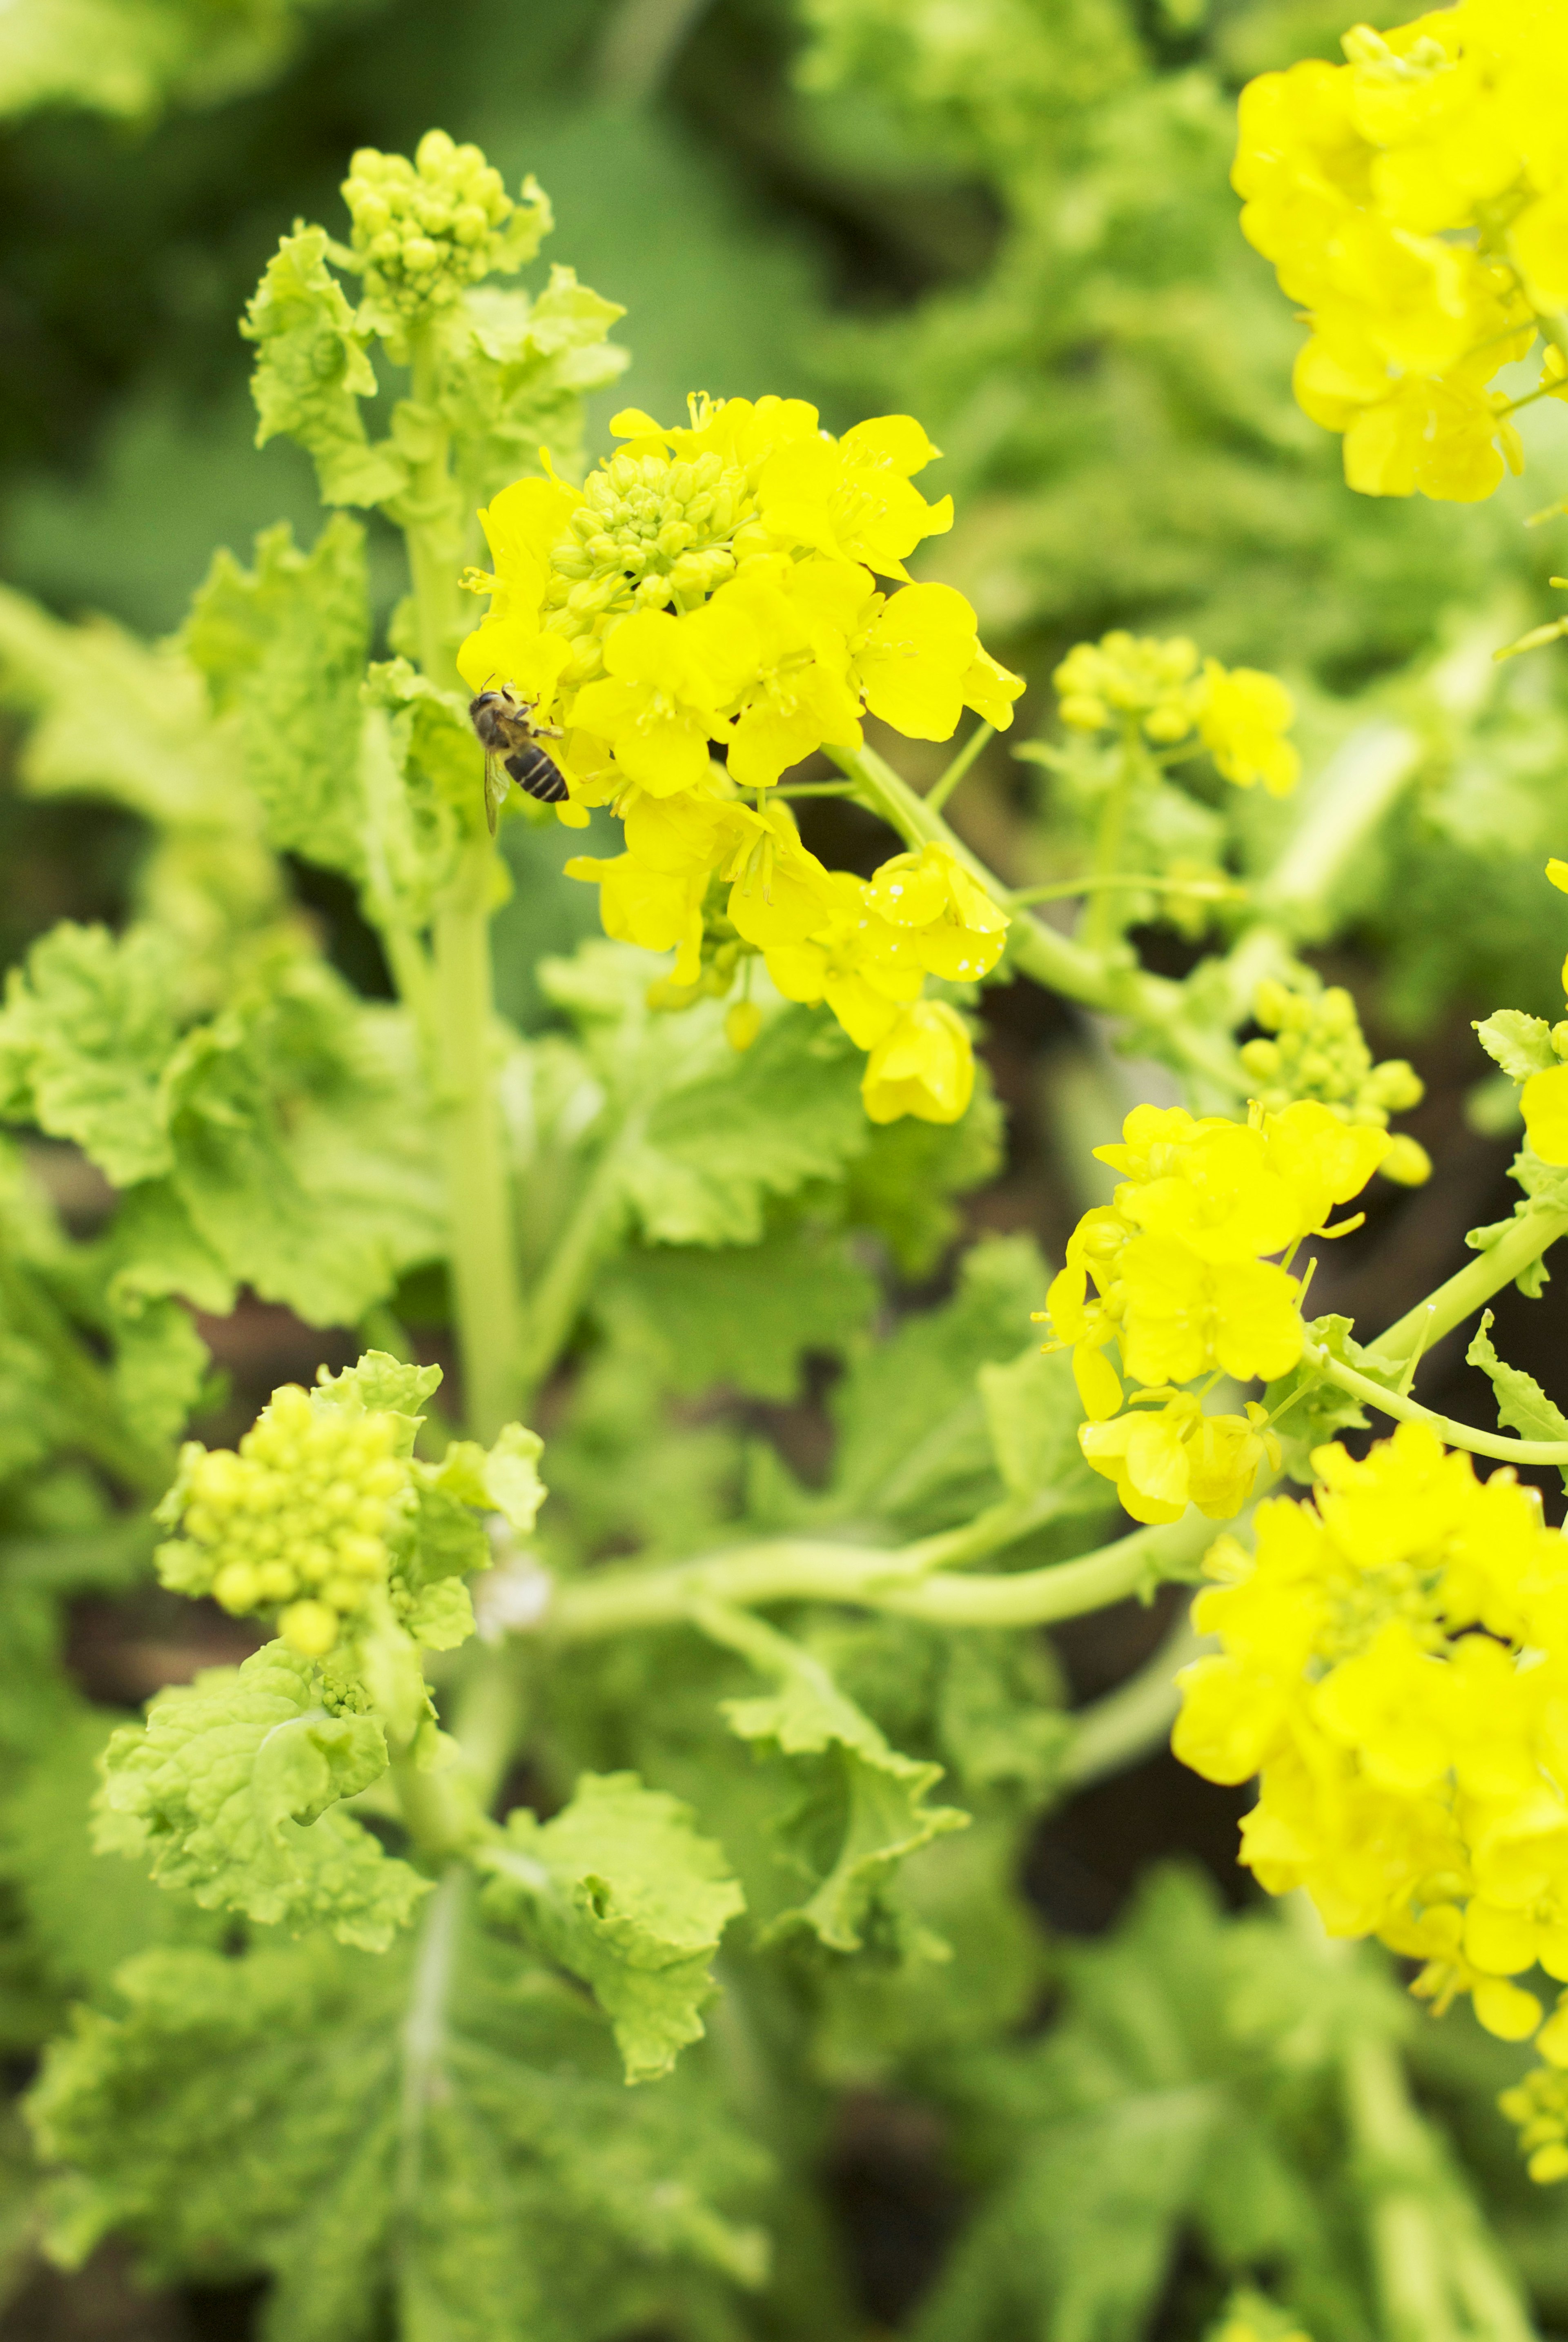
423,230
1159,690
1175,1273
1414,202
1538,2105
294,1525
715,587
651,531
1319,1051
1393,1664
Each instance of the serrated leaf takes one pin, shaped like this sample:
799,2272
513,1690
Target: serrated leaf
282,647
743,1317
85,1036
866,1807
503,1479
903,1183
437,2141
1522,1405
379,1384
620,1889
441,1615
522,367
312,371
230,1788
152,1250
1521,1044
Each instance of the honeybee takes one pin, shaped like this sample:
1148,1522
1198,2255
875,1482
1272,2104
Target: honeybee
510,739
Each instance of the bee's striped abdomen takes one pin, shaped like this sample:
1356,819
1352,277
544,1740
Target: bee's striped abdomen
533,770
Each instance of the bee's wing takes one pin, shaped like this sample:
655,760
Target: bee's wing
497,781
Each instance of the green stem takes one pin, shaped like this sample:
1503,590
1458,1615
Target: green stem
900,1580
557,1298
1409,1410
483,1242
1101,926
438,1807
1203,890
1131,1722
431,518
424,2040
1530,1234
1356,788
936,798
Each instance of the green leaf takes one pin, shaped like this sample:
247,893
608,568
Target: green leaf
620,1888
160,1366
129,57
1521,1044
501,1479
312,371
379,1384
742,1317
437,2142
866,1807
152,1250
304,1156
901,1183
82,1915
1033,1412
713,1150
85,1036
283,649
229,1790
1522,1405
914,1438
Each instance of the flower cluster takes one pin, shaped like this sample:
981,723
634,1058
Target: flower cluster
1164,693
1176,1271
423,230
1318,1051
294,1525
1393,1663
715,586
1414,202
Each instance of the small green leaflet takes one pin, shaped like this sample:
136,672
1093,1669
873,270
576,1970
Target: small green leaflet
1522,1405
312,370
283,649
437,2142
866,1806
620,1889
1033,1412
229,1791
1521,1044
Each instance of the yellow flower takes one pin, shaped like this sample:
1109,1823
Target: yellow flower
1543,1102
924,1066
1162,1462
865,968
659,909
957,932
667,678
1412,1769
799,693
852,498
779,892
1244,718
920,664
1125,675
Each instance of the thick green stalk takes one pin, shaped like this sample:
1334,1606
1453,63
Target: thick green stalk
901,1580
1524,1241
1104,917
483,1242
